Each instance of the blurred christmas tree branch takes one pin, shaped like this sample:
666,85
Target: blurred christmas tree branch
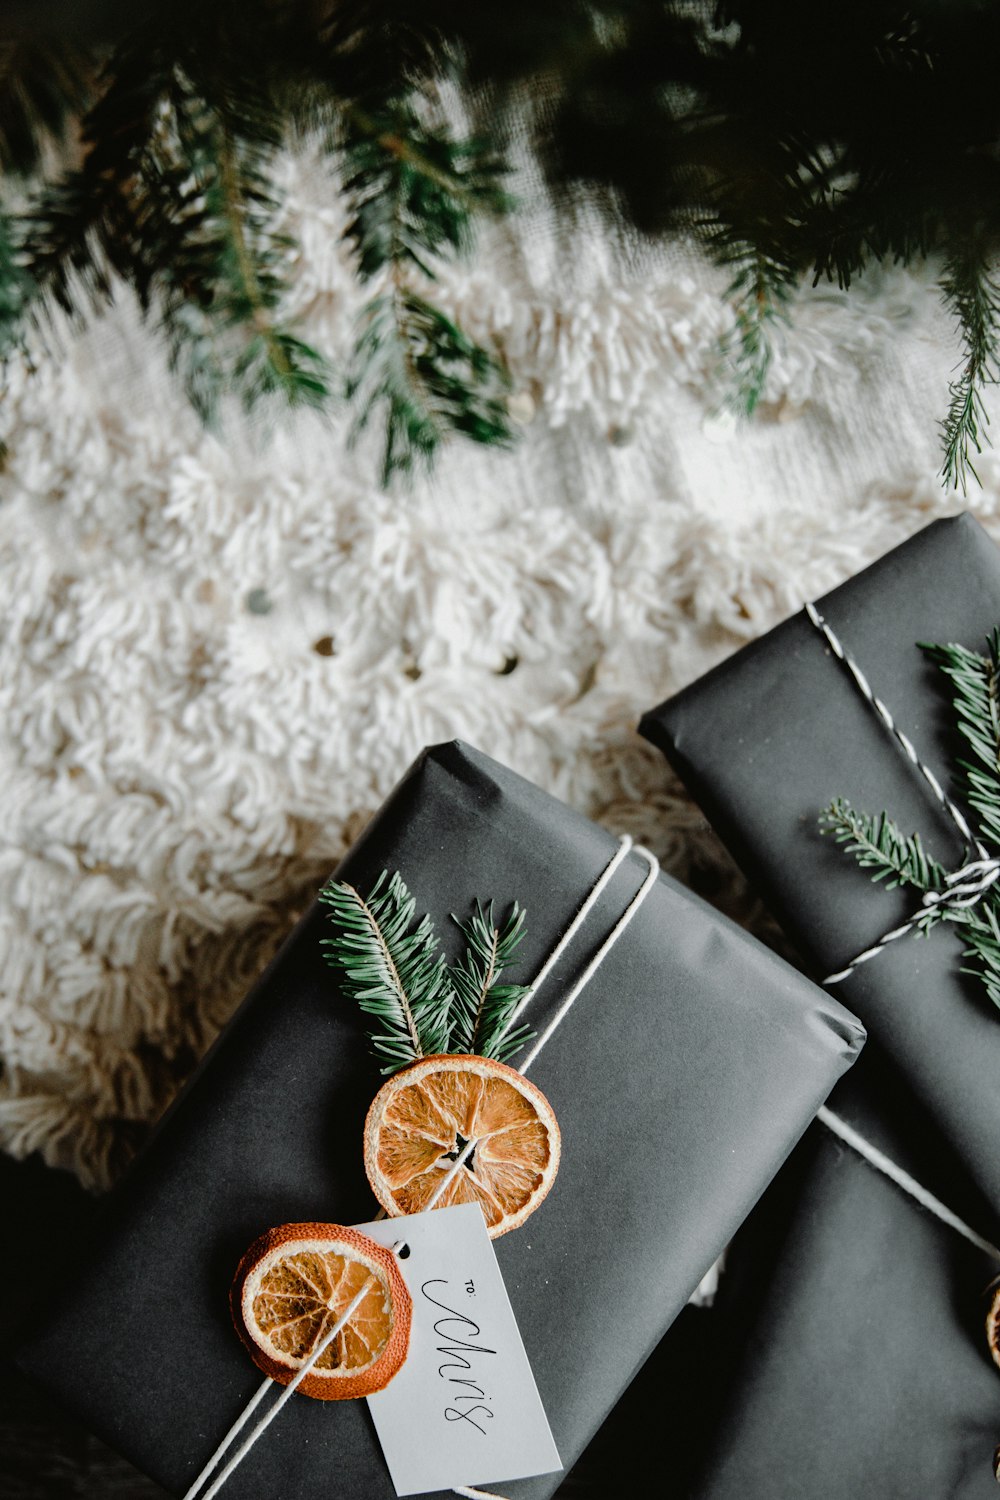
414,193
971,292
139,144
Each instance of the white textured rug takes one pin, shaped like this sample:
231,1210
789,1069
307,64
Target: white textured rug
218,653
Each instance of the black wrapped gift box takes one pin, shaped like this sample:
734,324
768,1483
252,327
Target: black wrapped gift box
682,1078
861,1367
845,1356
861,1377
774,734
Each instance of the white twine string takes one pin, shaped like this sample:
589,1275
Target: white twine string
653,869
864,687
652,873
265,1421
964,887
903,1179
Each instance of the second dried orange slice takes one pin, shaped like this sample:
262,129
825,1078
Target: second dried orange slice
422,1118
292,1287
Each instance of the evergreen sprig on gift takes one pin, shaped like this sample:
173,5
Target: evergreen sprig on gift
898,859
483,1005
976,681
392,968
878,844
389,962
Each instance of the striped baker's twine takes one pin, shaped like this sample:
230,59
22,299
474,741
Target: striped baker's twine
963,887
864,687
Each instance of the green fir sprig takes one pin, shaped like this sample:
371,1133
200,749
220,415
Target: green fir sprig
392,968
220,293
969,289
760,293
981,929
878,844
483,1006
898,859
390,963
415,192
416,369
976,682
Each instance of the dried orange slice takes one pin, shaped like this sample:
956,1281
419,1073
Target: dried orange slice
422,1118
993,1325
292,1286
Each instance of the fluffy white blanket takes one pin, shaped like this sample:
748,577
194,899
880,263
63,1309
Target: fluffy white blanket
218,652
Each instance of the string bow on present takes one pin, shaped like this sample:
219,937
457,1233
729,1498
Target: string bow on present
969,895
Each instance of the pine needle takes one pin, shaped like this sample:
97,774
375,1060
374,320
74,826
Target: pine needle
981,928
415,194
878,844
391,968
759,294
426,378
415,190
484,1006
220,290
976,701
972,294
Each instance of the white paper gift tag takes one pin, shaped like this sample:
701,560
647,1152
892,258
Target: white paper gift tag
464,1409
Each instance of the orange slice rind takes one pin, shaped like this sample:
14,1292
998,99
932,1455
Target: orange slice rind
422,1116
293,1285
993,1324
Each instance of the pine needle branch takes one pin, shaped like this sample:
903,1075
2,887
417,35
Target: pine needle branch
759,293
976,681
877,844
427,377
46,84
83,222
415,192
981,927
391,968
970,291
174,193
221,286
483,1006
15,290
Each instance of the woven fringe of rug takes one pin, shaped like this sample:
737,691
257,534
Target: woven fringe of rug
218,653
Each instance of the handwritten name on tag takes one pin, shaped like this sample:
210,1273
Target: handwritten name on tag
464,1409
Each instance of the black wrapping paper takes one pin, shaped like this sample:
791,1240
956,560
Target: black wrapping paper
857,1359
682,1078
773,735
844,1357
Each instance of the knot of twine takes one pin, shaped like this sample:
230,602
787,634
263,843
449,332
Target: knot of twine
967,886
963,888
